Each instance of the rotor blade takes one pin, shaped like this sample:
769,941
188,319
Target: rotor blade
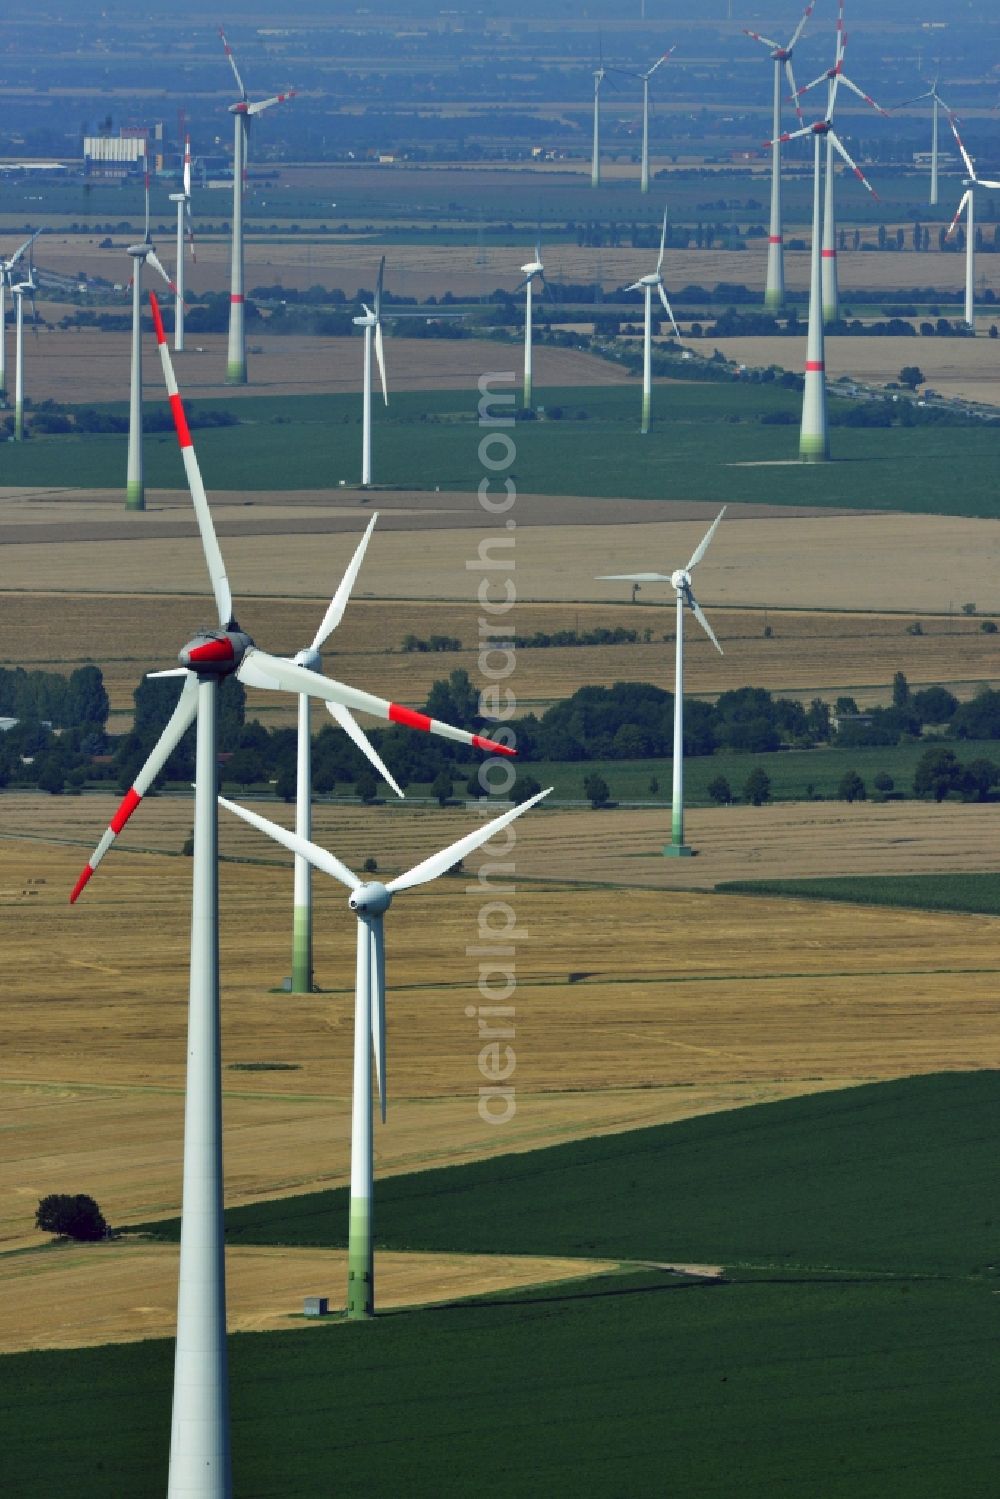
806,88
702,546
790,77
262,104
905,103
209,540
232,63
380,361
636,286
633,578
21,249
958,213
145,180
764,40
862,95
176,727
187,167
354,730
663,242
337,605
985,182
801,26
438,864
190,232
696,610
792,135
154,262
378,286
838,145
376,977
961,146
318,857
660,61
669,310
274,673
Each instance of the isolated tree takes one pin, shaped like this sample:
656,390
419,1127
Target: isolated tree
720,791
938,773
912,375
980,780
852,787
76,1217
757,789
900,690
366,787
883,782
441,786
597,791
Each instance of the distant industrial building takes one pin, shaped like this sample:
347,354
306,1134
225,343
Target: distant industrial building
133,150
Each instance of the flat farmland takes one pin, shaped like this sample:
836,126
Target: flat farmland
123,1292
807,654
965,367
775,998
82,366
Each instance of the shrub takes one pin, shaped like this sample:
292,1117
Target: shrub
76,1217
852,787
988,627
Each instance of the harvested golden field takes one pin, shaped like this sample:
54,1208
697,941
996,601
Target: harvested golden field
964,367
776,559
80,365
123,1292
731,1000
807,654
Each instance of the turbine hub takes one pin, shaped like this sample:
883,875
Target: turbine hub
309,659
215,653
680,580
370,899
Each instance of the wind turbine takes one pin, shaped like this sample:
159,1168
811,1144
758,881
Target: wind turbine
185,231
371,322
937,105
532,269
369,900
302,944
814,444
600,73
644,173
199,1443
680,581
646,285
18,290
135,489
7,281
968,202
243,112
774,289
833,77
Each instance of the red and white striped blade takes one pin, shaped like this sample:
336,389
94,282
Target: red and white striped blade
438,864
958,213
275,674
232,63
794,95
838,146
318,857
177,726
209,540
862,95
961,146
337,605
801,26
262,104
187,166
765,40
806,88
157,266
792,135
355,732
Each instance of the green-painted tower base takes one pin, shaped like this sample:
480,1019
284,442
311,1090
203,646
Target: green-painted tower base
135,496
773,301
236,374
302,968
360,1272
677,851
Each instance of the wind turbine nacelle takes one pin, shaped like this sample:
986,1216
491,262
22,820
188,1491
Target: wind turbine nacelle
241,108
680,580
534,269
310,659
215,653
371,899
139,251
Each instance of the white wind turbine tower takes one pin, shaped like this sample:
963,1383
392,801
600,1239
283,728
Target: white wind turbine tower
243,112
135,489
302,919
937,105
531,270
833,77
369,900
680,581
19,290
646,284
199,1443
371,322
774,289
968,202
185,232
7,281
814,446
600,73
644,170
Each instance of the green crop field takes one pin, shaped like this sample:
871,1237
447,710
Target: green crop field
927,892
891,1178
429,439
857,1359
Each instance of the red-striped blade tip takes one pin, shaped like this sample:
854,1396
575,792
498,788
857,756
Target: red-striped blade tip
85,876
490,744
161,337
